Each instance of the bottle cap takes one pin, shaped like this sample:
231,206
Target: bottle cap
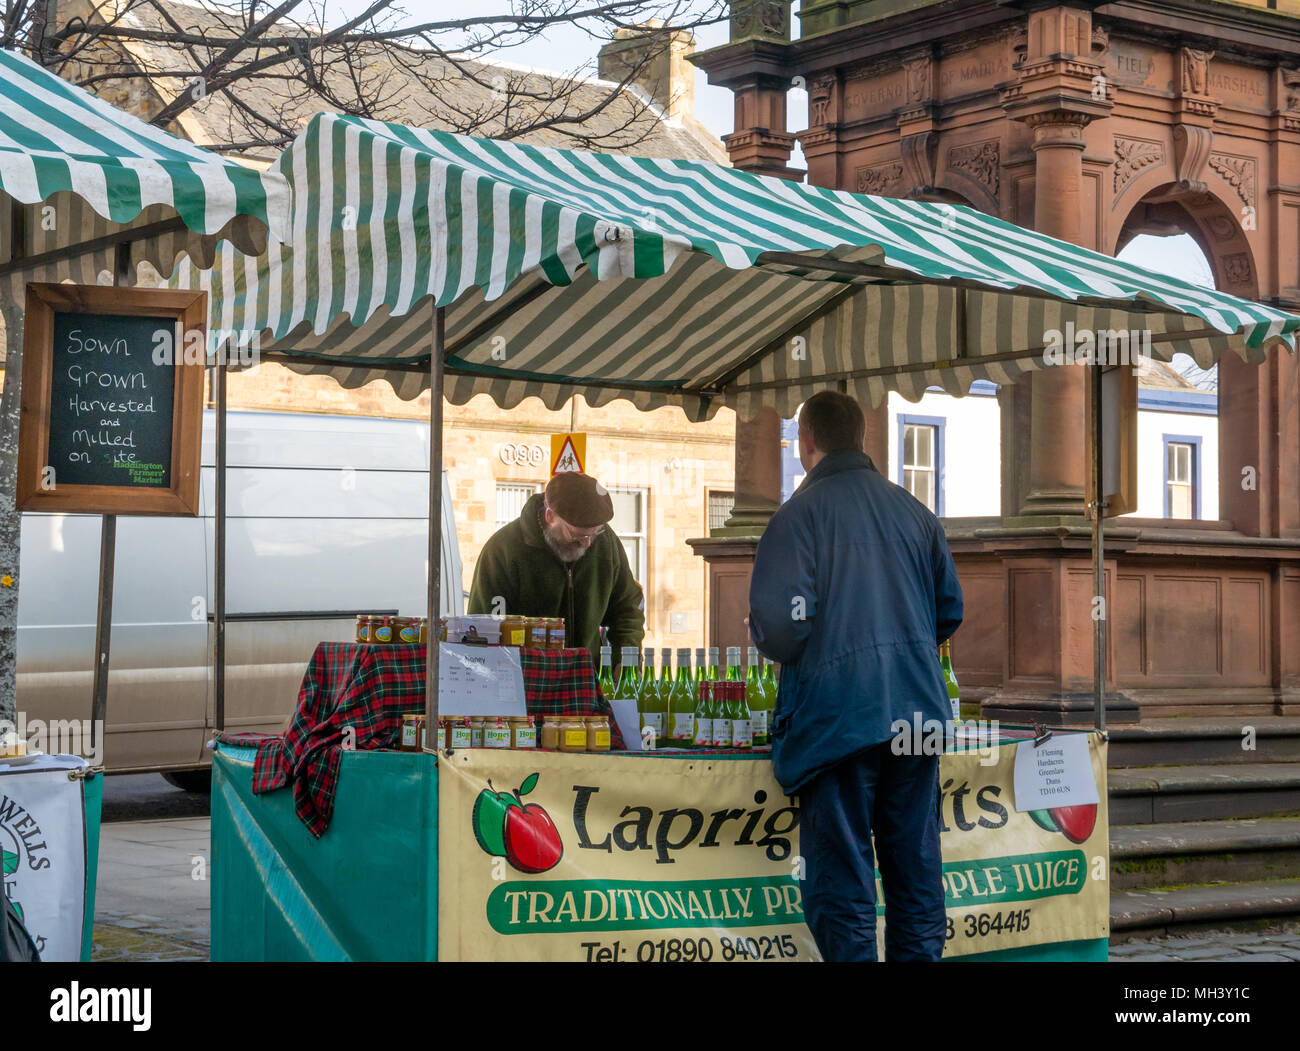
733,655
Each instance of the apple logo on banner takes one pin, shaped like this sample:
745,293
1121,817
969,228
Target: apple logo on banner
523,834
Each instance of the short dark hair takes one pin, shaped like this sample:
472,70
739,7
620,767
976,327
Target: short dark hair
835,422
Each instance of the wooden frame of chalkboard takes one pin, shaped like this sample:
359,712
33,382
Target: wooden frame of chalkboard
97,349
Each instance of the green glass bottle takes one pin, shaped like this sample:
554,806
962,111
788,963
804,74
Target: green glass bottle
629,676
652,704
756,698
681,704
950,679
733,664
605,680
701,668
770,691
712,673
704,707
742,728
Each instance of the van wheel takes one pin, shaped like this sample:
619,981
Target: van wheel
190,780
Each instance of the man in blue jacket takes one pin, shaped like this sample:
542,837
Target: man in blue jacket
853,590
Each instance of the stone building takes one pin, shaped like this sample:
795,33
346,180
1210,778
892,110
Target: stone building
1093,123
668,477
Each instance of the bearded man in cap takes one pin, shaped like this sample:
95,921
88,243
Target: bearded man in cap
558,559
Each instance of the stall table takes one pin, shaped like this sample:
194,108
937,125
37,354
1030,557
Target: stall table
527,854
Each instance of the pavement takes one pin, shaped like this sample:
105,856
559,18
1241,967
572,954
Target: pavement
151,898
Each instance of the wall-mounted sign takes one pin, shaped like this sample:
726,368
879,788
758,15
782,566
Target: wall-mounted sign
521,454
112,403
568,453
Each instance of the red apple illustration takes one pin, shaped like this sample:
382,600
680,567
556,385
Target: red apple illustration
1076,822
532,840
523,834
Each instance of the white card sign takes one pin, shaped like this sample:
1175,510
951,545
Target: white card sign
480,680
1056,773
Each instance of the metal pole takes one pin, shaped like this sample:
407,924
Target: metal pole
103,628
107,559
435,528
1095,439
219,549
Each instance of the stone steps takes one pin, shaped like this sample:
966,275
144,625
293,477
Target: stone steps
1204,828
1189,740
1209,791
1207,907
1147,857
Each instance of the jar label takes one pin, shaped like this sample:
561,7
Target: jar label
602,739
475,737
526,737
575,738
721,733
410,634
384,634
497,737
538,638
703,732
683,726
461,736
742,734
517,637
653,721
409,734
758,721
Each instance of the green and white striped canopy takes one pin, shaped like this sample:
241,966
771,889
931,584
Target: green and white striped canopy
94,169
666,281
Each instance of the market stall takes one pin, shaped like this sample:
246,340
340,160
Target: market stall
90,195
467,266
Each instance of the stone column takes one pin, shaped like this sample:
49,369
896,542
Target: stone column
758,473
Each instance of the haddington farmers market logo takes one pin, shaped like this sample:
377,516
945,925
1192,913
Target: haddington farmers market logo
523,834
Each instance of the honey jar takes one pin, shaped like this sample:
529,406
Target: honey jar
572,734
459,733
597,733
363,627
523,733
497,732
514,631
406,629
555,633
412,733
381,629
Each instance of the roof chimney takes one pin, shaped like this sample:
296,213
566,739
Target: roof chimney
656,59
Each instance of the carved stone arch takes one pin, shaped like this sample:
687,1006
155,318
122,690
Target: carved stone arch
1141,165
1212,223
971,190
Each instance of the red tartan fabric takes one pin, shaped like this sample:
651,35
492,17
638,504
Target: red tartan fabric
369,689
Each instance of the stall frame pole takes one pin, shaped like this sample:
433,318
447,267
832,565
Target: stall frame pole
219,549
435,528
107,566
1096,437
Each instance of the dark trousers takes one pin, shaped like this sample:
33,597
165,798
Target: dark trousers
894,796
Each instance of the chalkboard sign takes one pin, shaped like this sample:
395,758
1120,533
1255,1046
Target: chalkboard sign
111,400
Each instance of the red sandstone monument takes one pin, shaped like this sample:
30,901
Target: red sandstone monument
1092,122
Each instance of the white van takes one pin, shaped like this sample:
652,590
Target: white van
327,518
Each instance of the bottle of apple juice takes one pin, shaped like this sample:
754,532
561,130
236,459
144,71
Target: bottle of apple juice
681,704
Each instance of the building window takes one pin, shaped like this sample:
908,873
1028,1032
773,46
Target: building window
511,497
720,506
1182,476
629,526
920,458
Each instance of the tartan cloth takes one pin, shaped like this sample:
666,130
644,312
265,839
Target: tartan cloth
369,688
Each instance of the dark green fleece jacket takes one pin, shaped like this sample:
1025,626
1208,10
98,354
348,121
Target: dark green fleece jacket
597,590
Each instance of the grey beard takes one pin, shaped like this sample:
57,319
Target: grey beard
566,553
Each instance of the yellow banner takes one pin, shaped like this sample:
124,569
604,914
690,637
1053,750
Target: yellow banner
552,856
603,858
1015,879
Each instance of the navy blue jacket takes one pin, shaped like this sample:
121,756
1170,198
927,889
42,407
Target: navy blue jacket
853,589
